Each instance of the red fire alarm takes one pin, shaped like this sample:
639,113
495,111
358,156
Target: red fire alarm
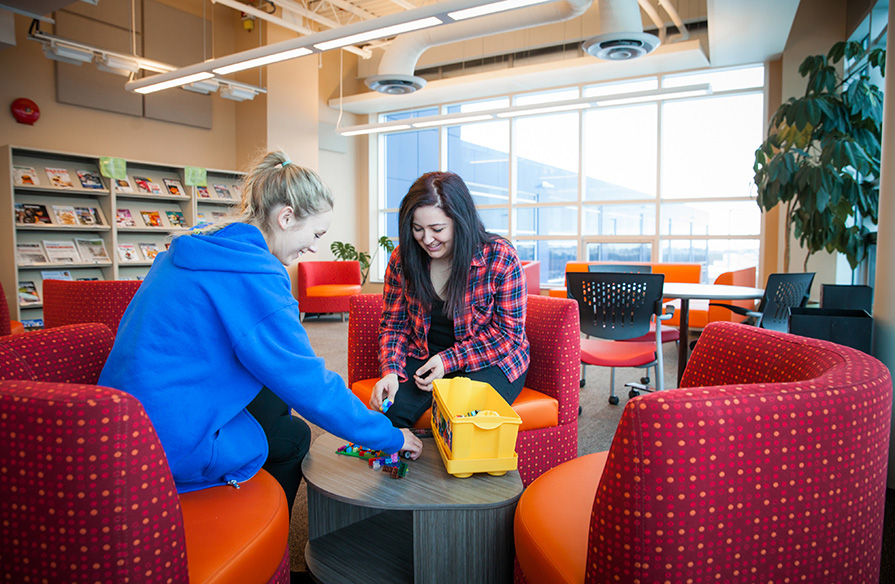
25,111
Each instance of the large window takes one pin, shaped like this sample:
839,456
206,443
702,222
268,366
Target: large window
653,180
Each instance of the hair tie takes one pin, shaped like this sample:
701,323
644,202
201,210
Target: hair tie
285,163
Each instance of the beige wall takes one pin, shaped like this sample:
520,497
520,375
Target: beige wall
27,73
818,25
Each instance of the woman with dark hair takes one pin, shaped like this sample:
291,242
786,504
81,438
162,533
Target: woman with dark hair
455,301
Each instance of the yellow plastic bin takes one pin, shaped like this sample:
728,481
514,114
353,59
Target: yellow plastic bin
484,442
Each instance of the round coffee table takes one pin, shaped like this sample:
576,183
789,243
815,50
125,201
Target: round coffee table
365,526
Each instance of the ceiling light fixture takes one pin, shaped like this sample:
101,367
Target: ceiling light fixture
653,95
434,14
237,93
176,82
502,6
115,64
65,53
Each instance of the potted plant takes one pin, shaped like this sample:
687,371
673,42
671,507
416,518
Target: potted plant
821,159
346,251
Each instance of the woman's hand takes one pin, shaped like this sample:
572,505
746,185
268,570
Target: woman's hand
430,371
412,444
386,387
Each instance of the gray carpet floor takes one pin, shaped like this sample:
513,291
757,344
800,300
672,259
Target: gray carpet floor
596,425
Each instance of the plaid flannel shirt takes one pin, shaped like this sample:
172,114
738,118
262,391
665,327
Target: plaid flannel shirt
491,331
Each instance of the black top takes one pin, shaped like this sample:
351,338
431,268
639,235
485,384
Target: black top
441,329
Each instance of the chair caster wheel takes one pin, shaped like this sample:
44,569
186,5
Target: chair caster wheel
581,383
644,380
579,411
633,393
613,400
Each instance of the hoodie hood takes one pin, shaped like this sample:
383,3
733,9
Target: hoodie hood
236,248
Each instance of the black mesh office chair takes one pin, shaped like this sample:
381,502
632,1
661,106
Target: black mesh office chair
783,291
621,268
617,307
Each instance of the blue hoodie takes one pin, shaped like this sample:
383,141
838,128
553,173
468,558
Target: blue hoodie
214,321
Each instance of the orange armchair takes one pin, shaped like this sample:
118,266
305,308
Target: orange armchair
87,493
769,465
103,301
701,313
327,286
548,404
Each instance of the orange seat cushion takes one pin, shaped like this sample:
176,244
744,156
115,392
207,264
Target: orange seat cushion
536,409
615,354
553,519
16,327
235,536
329,290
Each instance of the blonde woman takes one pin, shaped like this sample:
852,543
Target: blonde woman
212,343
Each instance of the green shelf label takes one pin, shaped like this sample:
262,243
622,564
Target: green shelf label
196,177
113,167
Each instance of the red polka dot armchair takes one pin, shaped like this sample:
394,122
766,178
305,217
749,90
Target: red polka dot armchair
86,494
548,404
768,466
75,302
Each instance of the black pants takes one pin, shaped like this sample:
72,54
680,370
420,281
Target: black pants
288,440
411,402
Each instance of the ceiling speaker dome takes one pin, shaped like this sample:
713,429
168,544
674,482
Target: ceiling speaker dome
621,46
395,84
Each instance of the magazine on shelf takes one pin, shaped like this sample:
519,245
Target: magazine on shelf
150,250
32,324
236,190
123,185
222,191
25,176
30,253
65,215
92,250
127,252
200,218
59,178
87,279
90,179
218,216
56,275
124,218
28,293
151,218
88,216
145,185
175,218
61,252
34,213
202,193
174,186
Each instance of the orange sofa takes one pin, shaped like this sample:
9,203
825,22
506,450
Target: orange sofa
325,287
690,273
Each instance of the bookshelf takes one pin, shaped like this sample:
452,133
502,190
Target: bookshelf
58,214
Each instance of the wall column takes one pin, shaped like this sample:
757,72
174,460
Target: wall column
884,294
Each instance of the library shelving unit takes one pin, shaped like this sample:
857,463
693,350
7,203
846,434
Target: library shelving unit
61,218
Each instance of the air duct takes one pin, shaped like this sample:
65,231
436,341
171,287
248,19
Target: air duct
400,59
621,35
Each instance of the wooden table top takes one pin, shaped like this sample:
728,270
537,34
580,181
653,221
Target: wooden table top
426,486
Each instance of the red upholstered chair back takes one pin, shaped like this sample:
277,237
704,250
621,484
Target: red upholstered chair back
5,317
317,273
532,272
69,354
365,312
769,465
86,494
102,301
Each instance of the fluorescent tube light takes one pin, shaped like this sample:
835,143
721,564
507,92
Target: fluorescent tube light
203,87
176,82
492,8
67,53
360,131
446,121
379,33
544,110
260,61
236,93
117,65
